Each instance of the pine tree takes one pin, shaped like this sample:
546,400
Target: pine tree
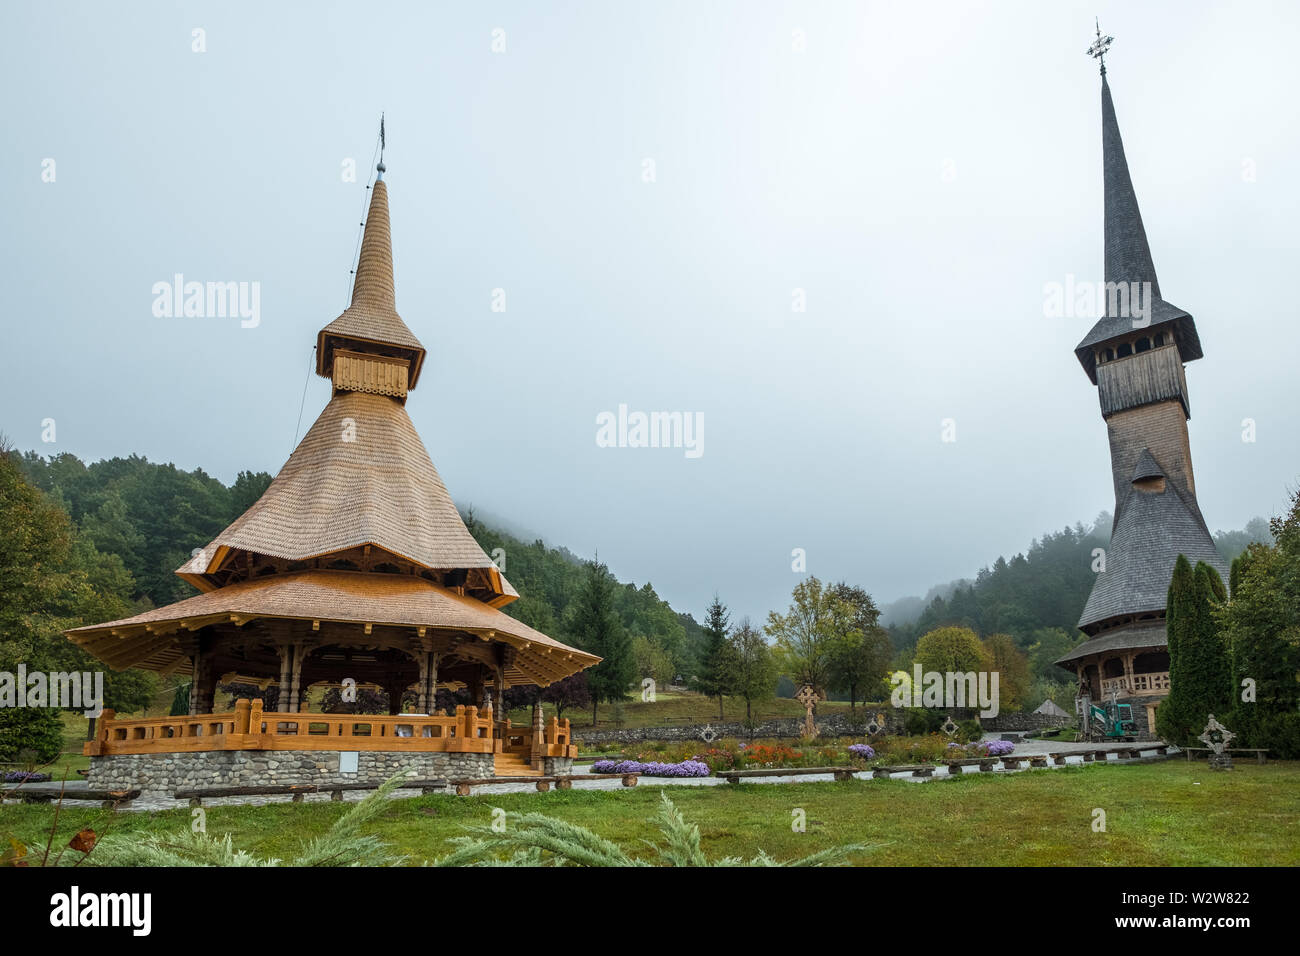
596,628
717,662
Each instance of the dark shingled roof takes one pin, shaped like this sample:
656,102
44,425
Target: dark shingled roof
1152,528
1128,255
1124,638
1147,466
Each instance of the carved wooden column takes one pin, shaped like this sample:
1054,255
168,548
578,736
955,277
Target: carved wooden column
295,679
433,683
285,650
421,682
476,688
538,749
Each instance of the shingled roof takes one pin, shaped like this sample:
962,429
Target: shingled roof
350,597
1134,637
1152,528
1128,254
372,319
360,476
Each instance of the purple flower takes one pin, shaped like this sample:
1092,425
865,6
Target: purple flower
687,768
862,751
1000,748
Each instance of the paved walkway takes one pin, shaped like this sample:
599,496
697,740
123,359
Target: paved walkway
164,801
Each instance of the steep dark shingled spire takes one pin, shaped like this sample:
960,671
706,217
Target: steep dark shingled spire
1128,254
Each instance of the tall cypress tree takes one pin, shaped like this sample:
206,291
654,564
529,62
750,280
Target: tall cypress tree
596,628
1213,663
1200,673
1171,722
717,662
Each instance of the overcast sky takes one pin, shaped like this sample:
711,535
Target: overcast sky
920,171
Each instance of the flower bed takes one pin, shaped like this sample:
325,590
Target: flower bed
862,751
999,748
25,776
686,768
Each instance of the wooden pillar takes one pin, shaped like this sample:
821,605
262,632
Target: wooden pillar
422,684
295,679
538,749
286,663
433,683
500,701
476,688
194,683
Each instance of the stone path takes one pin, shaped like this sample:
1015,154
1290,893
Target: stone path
164,801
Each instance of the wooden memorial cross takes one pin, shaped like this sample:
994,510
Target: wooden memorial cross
809,697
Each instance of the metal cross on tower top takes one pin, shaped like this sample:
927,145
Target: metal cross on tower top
1099,47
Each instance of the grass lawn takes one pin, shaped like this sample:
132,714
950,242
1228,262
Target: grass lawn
1171,813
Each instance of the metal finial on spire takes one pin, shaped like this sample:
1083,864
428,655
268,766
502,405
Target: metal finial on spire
1098,49
381,167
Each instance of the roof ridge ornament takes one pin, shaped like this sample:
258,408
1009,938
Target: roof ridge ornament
1099,47
381,167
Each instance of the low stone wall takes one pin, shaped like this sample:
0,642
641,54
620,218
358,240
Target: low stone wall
833,725
558,766
251,768
1027,720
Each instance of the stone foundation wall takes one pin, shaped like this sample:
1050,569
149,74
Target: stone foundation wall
558,766
249,768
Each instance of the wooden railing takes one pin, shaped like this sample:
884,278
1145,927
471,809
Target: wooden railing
1141,684
247,727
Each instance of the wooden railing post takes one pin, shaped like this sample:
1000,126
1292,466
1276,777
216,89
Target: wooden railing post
242,708
255,717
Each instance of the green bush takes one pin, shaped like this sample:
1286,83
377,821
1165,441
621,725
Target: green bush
30,728
969,730
917,721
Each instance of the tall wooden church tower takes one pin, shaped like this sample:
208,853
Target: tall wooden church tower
1136,359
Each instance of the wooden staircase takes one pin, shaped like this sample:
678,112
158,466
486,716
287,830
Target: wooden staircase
513,765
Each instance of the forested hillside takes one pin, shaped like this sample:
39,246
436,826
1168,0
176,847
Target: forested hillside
152,516
116,530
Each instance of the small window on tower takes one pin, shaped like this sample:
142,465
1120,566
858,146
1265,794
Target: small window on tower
1144,344
1160,339
1125,349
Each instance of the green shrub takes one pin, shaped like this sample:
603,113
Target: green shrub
917,721
30,728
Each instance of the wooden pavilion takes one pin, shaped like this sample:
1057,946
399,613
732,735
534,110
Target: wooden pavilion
355,564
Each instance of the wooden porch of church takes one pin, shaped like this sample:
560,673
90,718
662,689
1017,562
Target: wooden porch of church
248,727
1126,673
